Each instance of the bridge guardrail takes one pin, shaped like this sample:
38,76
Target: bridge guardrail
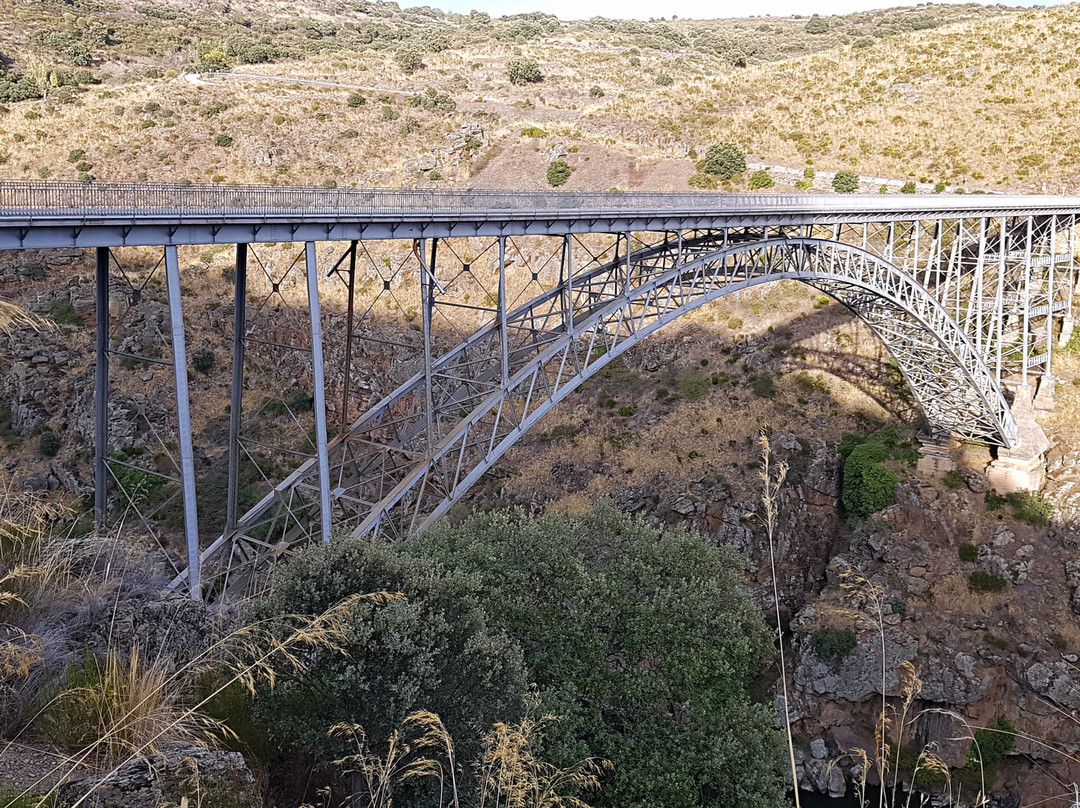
98,198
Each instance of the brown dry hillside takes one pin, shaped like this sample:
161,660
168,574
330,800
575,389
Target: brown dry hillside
965,94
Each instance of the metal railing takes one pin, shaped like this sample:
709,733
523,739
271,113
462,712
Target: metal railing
21,198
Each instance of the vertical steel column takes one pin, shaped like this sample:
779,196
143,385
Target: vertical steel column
183,417
101,390
568,268
626,277
1026,304
315,316
348,339
236,398
504,339
1053,293
427,295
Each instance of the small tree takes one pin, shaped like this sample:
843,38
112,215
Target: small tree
409,60
558,172
761,179
845,182
725,160
523,71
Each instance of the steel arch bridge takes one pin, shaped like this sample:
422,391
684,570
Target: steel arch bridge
968,295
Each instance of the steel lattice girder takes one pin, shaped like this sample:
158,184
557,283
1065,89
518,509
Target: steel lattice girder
390,474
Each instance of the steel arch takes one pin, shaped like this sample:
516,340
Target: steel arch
402,465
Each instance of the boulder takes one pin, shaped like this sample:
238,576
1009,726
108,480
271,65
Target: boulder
209,777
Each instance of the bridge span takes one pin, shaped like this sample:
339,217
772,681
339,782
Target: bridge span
517,298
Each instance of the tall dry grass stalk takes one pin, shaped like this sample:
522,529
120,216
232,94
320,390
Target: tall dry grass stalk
508,774
769,499
12,316
250,655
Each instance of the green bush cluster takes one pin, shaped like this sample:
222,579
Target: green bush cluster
968,552
833,645
983,581
1029,507
523,71
724,160
203,360
558,172
761,179
867,485
432,99
845,182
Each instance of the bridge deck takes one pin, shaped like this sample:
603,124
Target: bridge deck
43,215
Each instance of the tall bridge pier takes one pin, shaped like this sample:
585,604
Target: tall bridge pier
511,301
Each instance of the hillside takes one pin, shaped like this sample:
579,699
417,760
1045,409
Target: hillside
900,93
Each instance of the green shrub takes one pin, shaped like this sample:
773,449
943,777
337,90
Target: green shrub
761,179
664,80
983,581
703,181
763,385
63,312
388,113
76,155
724,160
558,172
224,140
954,479
693,385
833,645
523,71
987,753
432,99
1029,507
845,182
643,641
409,60
908,187
596,91
433,650
816,25
203,360
356,100
968,552
867,485
534,131
49,445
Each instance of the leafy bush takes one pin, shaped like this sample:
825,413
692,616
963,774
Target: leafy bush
954,479
867,485
432,99
49,445
761,179
224,140
816,25
433,650
596,91
409,60
523,71
833,645
534,131
664,80
63,312
763,385
641,638
724,160
558,172
845,182
203,360
983,581
968,552
388,113
703,181
356,100
1029,507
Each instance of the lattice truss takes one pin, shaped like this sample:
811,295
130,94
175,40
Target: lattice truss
450,349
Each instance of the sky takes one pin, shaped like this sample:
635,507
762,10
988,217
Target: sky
698,9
